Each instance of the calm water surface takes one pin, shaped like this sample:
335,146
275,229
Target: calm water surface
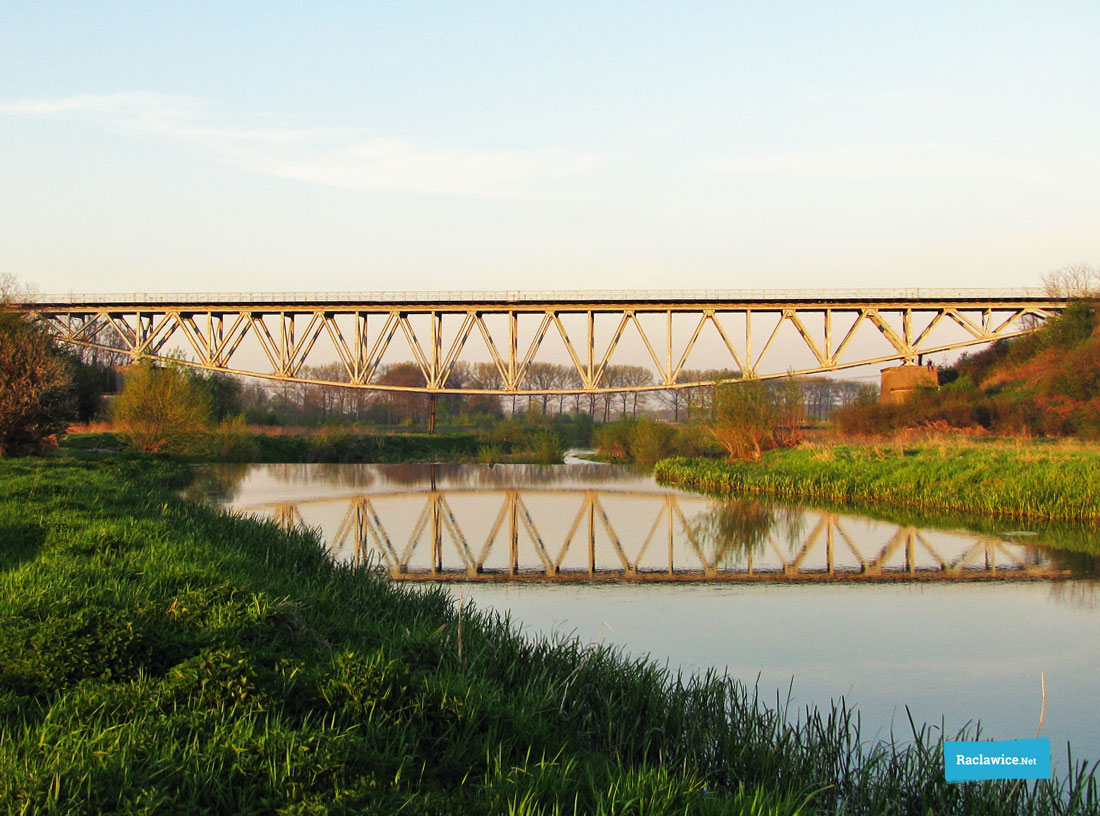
808,604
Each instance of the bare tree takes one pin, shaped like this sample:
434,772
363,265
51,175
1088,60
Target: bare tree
673,398
848,391
633,376
544,376
405,407
821,396
9,287
485,375
326,401
612,376
569,378
1073,281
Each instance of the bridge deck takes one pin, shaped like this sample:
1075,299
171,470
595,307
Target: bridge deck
543,299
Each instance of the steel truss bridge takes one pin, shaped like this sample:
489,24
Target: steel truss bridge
562,534
753,334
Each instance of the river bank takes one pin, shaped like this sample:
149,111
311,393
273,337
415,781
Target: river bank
155,653
1026,481
343,446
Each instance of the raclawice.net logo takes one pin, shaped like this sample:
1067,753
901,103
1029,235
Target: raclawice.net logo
999,759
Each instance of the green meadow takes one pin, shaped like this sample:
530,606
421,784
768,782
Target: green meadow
1007,480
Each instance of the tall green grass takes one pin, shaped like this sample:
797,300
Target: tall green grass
157,656
1026,482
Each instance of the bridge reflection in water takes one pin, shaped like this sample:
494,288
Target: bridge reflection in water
584,534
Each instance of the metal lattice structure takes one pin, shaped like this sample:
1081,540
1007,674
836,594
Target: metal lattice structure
593,535
743,331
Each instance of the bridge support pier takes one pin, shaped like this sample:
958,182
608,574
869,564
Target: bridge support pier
901,381
431,413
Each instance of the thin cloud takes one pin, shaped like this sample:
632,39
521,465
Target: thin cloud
333,157
93,104
934,160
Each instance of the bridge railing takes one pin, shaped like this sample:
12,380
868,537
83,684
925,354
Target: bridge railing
543,296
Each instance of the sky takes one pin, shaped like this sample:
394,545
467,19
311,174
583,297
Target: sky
368,146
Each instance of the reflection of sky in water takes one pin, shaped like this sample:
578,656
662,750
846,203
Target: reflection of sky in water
965,651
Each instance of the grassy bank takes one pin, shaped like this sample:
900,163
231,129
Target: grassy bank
156,656
1007,481
339,446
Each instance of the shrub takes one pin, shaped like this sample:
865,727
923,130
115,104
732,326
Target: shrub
613,440
231,441
693,440
1072,327
651,440
161,409
36,394
751,417
546,448
490,454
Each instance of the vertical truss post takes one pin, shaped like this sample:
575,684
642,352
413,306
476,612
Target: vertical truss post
286,324
591,345
748,345
513,349
668,358
361,350
437,332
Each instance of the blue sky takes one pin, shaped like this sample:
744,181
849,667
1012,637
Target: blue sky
367,146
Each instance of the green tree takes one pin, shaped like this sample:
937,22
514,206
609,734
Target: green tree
224,393
36,394
161,409
753,416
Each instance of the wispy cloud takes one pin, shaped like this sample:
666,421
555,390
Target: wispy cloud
335,157
932,160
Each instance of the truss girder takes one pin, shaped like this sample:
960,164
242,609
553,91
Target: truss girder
288,334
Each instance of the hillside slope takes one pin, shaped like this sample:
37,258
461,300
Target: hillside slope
1042,384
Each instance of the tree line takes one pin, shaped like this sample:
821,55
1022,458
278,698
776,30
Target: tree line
289,403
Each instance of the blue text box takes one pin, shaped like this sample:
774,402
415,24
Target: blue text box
997,759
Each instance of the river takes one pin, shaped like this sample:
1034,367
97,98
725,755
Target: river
943,624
